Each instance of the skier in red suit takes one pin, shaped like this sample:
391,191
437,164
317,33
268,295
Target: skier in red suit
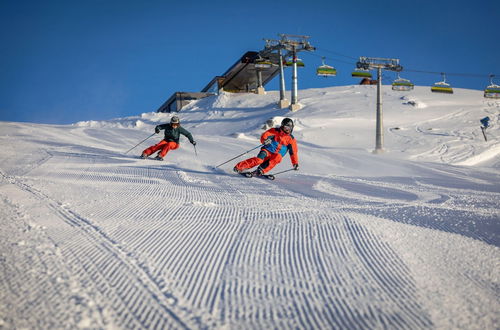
173,130
276,143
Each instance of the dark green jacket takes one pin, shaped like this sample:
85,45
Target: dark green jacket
173,134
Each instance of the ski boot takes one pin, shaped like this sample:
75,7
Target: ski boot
258,172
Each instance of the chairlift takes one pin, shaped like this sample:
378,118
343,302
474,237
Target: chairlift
263,63
362,70
493,90
361,73
442,86
402,85
300,63
326,70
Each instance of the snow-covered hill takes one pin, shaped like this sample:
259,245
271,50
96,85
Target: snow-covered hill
95,238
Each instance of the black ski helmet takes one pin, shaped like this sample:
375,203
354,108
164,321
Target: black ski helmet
175,120
287,122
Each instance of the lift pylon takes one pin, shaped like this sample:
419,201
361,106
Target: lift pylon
293,44
369,63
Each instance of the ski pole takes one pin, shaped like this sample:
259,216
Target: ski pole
195,152
246,152
139,143
292,169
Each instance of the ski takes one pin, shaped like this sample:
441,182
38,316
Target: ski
153,158
269,176
251,175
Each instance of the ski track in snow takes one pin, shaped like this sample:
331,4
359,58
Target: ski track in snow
207,250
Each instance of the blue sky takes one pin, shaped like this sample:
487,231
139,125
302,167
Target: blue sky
66,61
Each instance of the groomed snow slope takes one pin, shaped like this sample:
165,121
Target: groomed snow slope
94,238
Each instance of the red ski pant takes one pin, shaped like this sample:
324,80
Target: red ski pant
163,146
268,162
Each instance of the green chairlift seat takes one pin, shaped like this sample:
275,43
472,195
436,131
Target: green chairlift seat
263,64
361,73
299,63
326,70
493,90
442,86
402,85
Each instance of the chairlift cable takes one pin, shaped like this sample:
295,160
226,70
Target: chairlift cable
472,75
329,58
337,53
492,90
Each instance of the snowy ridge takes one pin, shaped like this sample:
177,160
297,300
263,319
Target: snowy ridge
352,240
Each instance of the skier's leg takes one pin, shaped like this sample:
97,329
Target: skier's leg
251,162
271,162
154,148
248,163
167,147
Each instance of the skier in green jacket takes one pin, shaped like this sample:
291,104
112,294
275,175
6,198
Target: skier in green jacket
173,130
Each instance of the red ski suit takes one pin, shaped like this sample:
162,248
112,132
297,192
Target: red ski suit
170,141
270,155
163,146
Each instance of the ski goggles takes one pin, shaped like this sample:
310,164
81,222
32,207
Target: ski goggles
287,129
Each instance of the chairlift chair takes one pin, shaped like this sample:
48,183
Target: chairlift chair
326,70
300,63
361,73
402,85
442,86
493,90
263,64
362,70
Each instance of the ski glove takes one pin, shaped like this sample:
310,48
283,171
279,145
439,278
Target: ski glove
157,130
296,167
268,141
193,143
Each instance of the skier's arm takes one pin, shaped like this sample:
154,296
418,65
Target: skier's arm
292,149
160,127
186,133
267,134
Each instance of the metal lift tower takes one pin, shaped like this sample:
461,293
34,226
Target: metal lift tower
292,44
369,63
